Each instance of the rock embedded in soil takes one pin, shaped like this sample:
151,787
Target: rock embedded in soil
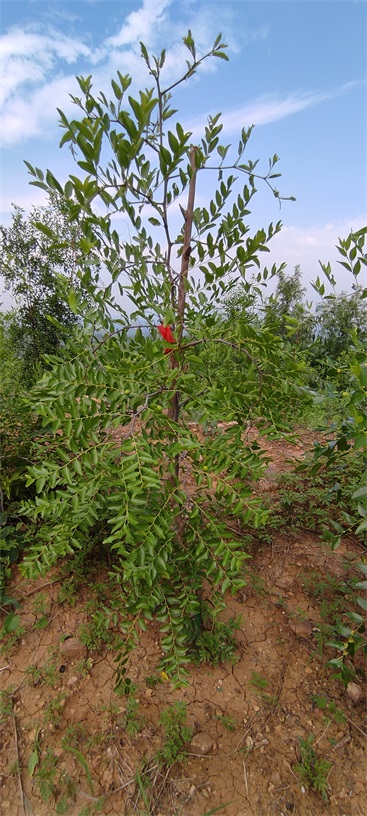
201,743
73,649
354,692
302,628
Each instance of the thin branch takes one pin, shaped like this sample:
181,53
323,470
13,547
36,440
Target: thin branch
245,777
232,345
19,770
119,331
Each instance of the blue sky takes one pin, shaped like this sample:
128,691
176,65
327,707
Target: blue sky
297,70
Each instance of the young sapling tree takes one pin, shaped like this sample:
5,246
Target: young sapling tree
129,469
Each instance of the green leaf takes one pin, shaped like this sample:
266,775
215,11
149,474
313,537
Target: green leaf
44,228
33,762
221,55
362,526
362,491
72,301
79,756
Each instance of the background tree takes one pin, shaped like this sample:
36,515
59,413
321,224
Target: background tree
37,263
336,317
286,311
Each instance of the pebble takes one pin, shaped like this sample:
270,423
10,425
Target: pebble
72,680
73,648
302,628
354,692
202,743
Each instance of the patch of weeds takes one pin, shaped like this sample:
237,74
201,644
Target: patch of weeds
330,708
91,810
11,632
68,592
256,583
51,783
270,700
213,641
132,721
73,735
126,687
316,501
151,778
312,771
281,602
45,675
6,703
227,722
41,607
258,681
176,734
112,708
66,792
153,681
45,776
84,666
53,710
83,762
96,634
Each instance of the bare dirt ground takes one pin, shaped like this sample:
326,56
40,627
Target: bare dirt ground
64,744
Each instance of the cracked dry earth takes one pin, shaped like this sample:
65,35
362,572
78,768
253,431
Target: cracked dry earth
247,718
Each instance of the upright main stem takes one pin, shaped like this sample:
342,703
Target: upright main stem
181,298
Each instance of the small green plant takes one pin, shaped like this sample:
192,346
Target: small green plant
312,771
96,634
176,734
53,710
256,583
44,675
46,774
6,703
227,722
69,591
258,681
344,626
84,666
133,721
11,632
213,641
329,707
41,608
73,736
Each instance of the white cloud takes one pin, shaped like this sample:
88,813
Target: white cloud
140,25
30,115
28,57
271,108
34,60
